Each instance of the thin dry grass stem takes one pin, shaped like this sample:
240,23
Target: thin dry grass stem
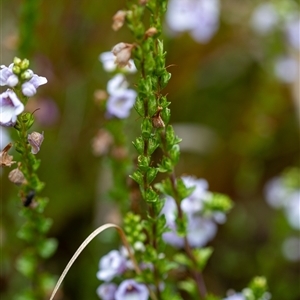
86,242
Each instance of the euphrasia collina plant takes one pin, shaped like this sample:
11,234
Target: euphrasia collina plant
172,218
22,84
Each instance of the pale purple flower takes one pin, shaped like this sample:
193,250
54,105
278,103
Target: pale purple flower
10,108
121,99
120,104
106,291
264,18
199,17
194,202
29,87
292,209
276,193
111,265
7,77
235,296
200,230
131,290
116,84
287,69
292,30
108,60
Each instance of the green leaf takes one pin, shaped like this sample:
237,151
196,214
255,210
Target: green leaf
150,195
139,106
151,174
138,177
202,255
182,190
47,247
146,128
27,264
139,145
189,286
183,260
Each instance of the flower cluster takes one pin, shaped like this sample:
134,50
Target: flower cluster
199,17
201,219
121,99
16,76
115,264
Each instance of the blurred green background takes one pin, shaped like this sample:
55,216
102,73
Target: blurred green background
239,124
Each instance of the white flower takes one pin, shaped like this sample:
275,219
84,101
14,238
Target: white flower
120,103
291,248
264,18
10,108
236,296
29,87
111,265
199,17
292,30
7,77
286,69
121,99
292,209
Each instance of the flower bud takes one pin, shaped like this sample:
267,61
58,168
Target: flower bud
16,70
118,20
16,177
35,140
24,64
17,61
151,32
26,75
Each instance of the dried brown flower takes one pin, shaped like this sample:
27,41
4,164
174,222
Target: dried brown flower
6,160
101,142
122,51
118,19
35,140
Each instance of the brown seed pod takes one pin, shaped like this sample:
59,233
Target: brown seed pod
16,177
157,121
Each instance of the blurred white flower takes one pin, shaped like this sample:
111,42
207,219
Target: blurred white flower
199,17
264,18
292,30
291,248
235,296
279,196
286,69
292,209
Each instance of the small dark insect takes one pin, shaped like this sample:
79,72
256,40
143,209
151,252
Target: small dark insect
28,200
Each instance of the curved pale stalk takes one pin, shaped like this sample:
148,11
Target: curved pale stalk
85,243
